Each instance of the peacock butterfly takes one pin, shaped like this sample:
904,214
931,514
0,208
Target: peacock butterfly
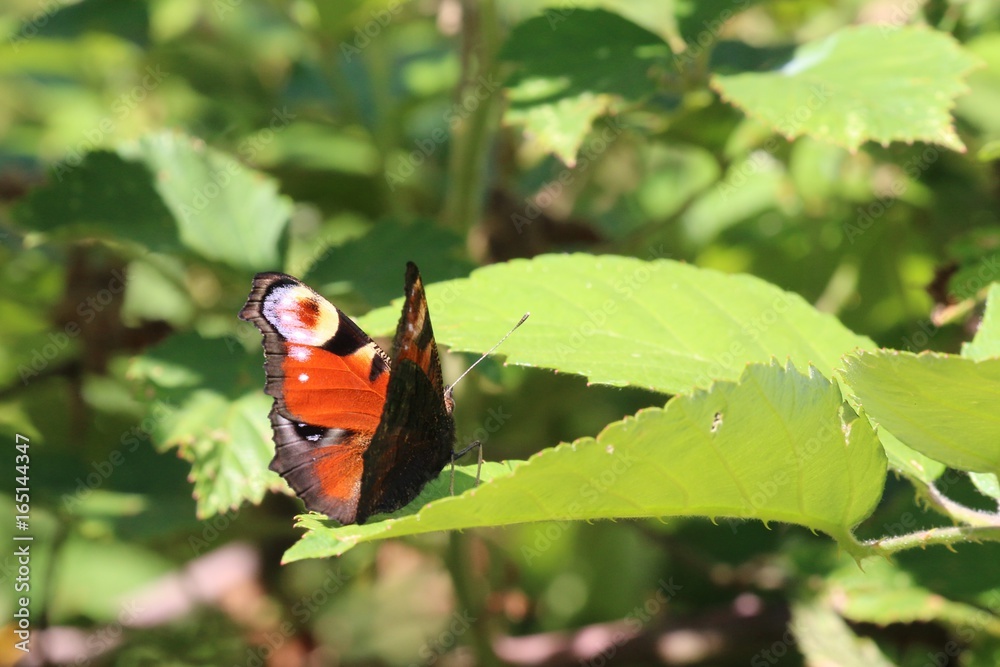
356,433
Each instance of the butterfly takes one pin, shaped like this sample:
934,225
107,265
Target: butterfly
356,432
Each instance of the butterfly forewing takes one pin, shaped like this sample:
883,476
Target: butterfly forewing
328,380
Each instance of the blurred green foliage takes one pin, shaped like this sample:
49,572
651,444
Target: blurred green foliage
154,155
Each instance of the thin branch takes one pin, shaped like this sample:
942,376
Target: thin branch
946,536
957,511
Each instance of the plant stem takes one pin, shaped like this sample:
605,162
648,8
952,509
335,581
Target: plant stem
466,599
946,536
957,511
472,135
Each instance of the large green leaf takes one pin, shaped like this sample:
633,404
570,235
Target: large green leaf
864,83
622,321
941,405
986,344
223,209
572,67
775,447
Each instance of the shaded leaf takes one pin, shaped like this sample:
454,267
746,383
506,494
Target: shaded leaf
773,447
574,66
883,594
103,195
825,639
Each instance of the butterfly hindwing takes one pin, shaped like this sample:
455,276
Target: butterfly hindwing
414,439
329,381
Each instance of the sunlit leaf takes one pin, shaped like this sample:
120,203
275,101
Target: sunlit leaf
940,405
863,83
987,341
622,321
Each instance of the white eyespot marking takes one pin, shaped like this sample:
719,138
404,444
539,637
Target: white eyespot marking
303,377
300,315
299,352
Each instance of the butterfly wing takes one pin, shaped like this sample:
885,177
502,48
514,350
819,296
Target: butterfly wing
329,381
415,435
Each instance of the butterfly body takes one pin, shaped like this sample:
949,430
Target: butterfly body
356,432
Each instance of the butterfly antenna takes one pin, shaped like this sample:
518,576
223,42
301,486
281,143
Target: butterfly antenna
487,353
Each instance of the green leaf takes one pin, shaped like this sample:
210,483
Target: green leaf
940,405
224,210
987,484
909,461
103,195
986,344
775,447
199,198
622,321
206,409
864,83
825,639
883,593
573,67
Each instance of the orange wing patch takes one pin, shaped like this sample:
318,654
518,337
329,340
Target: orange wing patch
324,389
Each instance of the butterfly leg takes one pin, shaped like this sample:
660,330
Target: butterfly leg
459,454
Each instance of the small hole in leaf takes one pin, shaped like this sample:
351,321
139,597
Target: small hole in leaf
716,422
